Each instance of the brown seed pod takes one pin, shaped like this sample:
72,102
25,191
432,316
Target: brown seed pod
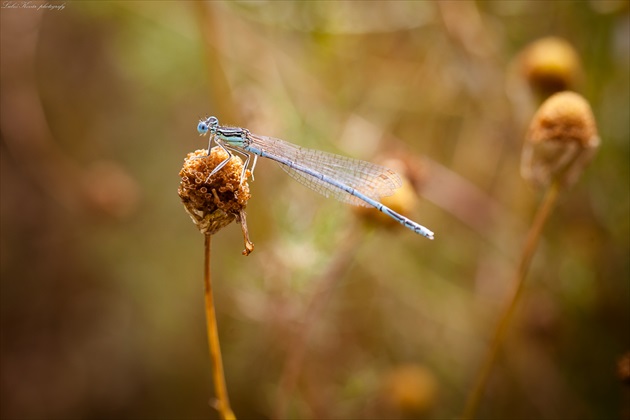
550,65
403,201
410,390
214,202
561,140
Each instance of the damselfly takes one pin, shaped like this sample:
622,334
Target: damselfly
348,180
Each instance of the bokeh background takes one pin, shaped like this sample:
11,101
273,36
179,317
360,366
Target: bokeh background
336,314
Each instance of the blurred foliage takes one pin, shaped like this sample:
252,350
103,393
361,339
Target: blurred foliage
101,288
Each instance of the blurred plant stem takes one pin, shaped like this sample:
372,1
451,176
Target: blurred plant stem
297,346
531,243
220,88
222,403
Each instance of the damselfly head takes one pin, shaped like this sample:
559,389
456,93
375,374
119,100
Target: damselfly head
210,123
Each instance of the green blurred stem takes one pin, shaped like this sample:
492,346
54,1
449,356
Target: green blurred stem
220,88
223,402
531,243
298,344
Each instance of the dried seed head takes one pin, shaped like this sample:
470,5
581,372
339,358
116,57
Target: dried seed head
561,140
110,190
410,389
216,203
550,65
403,201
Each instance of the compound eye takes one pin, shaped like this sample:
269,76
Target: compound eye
202,127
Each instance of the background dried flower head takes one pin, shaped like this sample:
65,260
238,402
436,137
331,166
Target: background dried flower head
561,140
550,65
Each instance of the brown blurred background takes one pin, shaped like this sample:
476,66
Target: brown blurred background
335,314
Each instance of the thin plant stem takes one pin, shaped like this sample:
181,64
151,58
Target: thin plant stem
222,403
298,344
217,76
531,243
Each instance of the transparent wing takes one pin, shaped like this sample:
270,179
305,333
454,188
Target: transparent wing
372,180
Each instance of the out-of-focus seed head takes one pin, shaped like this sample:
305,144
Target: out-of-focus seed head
216,202
403,201
110,190
561,140
410,390
550,65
